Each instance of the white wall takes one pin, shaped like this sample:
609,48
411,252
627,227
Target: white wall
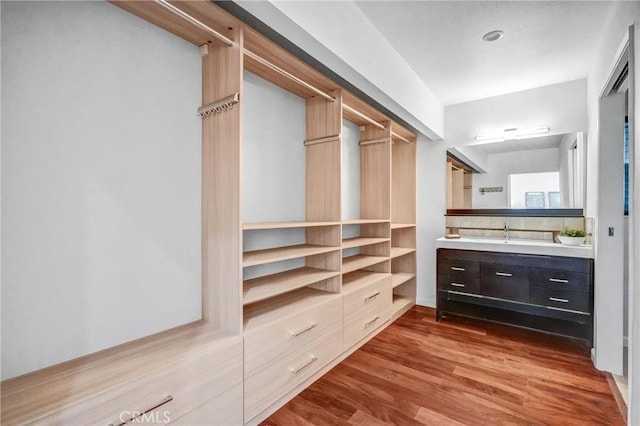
566,179
501,165
350,170
101,170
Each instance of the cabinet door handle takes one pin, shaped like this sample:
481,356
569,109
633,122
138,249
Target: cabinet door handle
137,414
367,324
455,268
305,365
373,296
304,330
557,280
457,285
503,274
555,299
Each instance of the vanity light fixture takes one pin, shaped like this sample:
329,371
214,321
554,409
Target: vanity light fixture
492,36
512,133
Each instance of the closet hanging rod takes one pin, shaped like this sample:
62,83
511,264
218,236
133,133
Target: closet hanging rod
374,141
288,75
402,138
226,40
325,139
361,115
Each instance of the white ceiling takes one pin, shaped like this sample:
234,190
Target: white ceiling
545,42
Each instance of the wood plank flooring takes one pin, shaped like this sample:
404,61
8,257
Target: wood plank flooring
457,372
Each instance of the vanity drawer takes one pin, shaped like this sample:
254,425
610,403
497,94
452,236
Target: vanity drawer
507,282
459,270
562,299
165,395
278,379
267,344
370,315
559,280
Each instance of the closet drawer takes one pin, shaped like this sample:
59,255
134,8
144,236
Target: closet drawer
267,344
371,315
562,299
224,409
278,379
374,294
165,395
559,280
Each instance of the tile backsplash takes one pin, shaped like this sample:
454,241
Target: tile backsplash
530,228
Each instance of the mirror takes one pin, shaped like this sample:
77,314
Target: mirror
545,172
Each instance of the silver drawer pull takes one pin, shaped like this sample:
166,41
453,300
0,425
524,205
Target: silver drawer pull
373,296
557,280
136,414
302,367
455,268
457,285
503,274
555,299
304,330
367,324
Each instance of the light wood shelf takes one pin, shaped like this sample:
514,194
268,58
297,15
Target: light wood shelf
359,261
268,286
400,305
362,241
260,257
282,225
264,313
363,221
399,278
402,225
400,251
360,279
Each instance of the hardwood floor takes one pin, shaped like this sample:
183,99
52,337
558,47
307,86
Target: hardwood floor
457,372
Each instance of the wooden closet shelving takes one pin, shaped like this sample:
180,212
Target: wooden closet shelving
306,317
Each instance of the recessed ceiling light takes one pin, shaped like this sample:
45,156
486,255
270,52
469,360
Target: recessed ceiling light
494,35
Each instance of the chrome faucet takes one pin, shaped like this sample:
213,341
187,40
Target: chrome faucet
506,230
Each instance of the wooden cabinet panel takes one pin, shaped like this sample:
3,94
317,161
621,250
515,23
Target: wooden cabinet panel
559,280
279,378
366,310
267,344
560,299
505,282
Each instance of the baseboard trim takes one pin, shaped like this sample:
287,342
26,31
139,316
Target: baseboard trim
429,303
622,406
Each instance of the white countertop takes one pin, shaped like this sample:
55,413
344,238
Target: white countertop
516,246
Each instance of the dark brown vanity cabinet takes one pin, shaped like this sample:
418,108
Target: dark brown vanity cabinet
548,293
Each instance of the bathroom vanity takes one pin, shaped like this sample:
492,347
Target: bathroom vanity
536,285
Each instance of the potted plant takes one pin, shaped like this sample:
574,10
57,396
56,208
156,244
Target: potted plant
572,236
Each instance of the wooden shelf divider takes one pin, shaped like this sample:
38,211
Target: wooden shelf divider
362,241
363,221
360,279
399,278
359,261
401,251
260,257
250,226
402,225
268,286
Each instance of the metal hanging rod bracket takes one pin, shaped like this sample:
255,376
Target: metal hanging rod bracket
364,117
323,140
226,40
288,75
219,106
374,141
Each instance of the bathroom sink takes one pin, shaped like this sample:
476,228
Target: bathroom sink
541,247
